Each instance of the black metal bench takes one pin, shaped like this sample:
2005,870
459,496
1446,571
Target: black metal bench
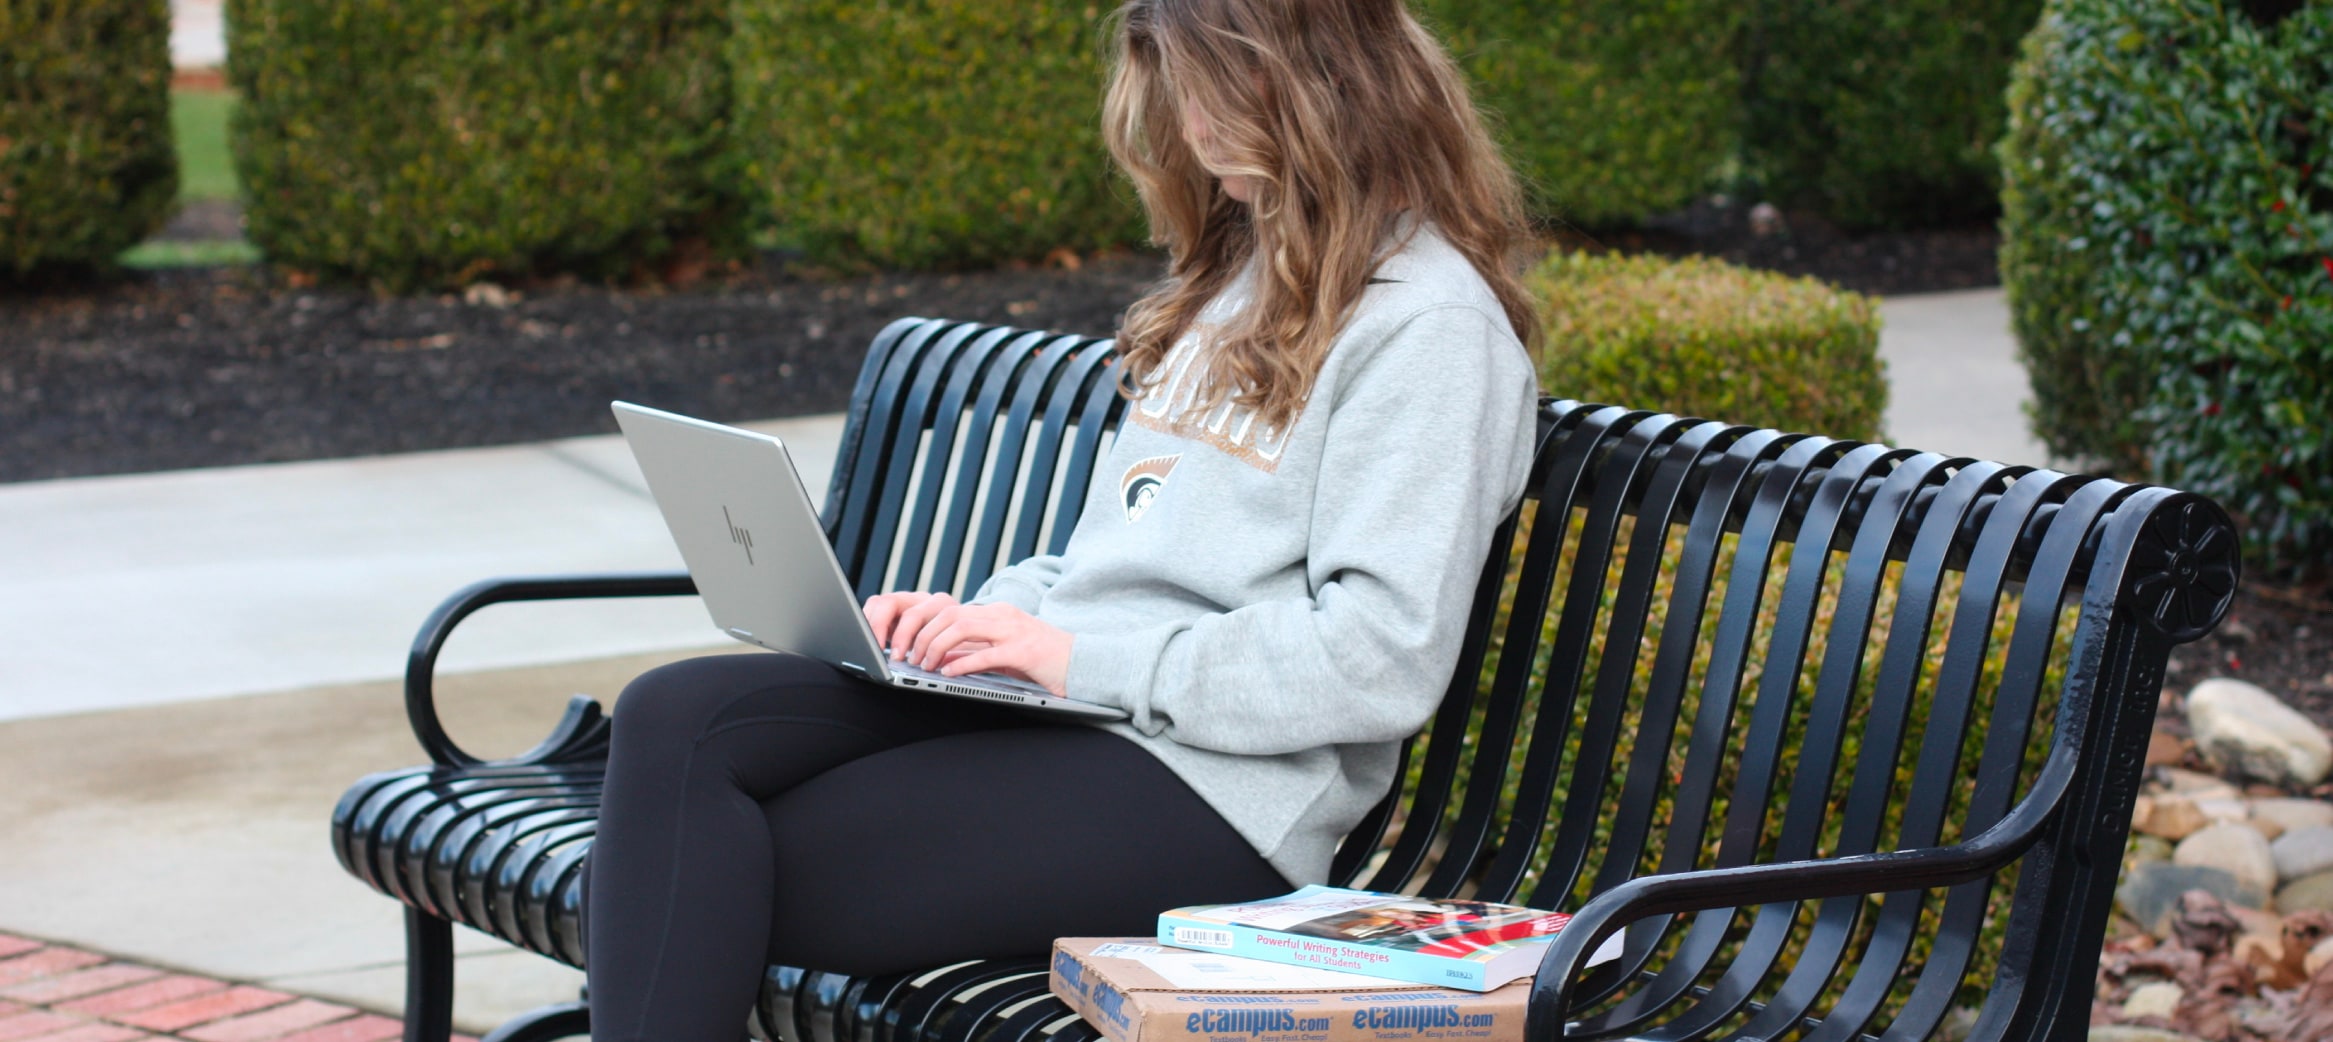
1679,716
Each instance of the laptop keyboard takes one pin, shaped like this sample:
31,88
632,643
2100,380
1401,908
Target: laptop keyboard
991,680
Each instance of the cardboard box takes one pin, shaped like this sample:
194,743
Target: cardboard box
1132,990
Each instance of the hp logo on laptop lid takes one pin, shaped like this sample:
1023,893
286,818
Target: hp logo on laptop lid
739,535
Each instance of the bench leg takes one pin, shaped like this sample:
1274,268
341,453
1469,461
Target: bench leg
560,1020
429,977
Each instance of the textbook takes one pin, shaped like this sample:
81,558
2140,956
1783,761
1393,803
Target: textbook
1470,945
1133,990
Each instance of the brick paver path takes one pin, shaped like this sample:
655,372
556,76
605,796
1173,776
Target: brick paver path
53,993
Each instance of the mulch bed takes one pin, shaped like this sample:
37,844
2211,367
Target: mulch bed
213,366
200,367
210,366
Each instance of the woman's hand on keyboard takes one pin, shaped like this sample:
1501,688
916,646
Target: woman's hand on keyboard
937,633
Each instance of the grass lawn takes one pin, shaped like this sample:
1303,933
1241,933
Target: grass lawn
155,253
198,119
198,123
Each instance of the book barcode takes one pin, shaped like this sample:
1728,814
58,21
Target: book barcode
1198,938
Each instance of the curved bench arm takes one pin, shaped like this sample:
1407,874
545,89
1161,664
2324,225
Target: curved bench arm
582,726
1780,882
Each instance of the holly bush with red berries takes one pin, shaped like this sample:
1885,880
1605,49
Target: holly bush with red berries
2168,251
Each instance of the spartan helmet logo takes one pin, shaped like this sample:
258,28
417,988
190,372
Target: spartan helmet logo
1142,483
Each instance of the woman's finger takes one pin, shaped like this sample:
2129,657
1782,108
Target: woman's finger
984,623
882,611
916,621
896,605
959,627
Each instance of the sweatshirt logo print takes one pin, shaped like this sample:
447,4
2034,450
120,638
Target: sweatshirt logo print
1142,483
1170,407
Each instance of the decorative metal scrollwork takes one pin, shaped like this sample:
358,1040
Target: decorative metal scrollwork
2184,568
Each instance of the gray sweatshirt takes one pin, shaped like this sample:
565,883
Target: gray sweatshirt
1278,609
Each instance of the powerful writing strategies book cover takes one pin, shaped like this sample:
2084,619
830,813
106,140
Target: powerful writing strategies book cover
1473,945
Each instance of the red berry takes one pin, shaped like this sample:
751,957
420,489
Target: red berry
2277,207
2211,409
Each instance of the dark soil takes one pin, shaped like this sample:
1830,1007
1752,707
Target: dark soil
1795,243
204,367
211,366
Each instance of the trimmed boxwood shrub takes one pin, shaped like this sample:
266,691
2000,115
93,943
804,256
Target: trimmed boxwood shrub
1610,109
930,133
1700,337
424,143
2168,250
1881,113
86,166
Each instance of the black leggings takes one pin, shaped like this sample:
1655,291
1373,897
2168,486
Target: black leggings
766,807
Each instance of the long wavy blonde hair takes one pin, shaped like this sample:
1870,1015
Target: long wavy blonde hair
1342,115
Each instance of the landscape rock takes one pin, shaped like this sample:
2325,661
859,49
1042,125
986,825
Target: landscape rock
2247,730
2228,809
2149,848
2159,999
2170,816
2149,892
2235,849
2257,922
2308,893
2165,748
2196,785
2294,814
487,294
2303,852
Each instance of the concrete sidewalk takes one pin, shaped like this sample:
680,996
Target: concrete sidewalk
157,588
198,663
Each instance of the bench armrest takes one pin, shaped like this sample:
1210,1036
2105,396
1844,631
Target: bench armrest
1786,881
582,722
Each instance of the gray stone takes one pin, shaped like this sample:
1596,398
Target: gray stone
2159,999
2293,814
2129,1033
2238,850
2308,893
2150,891
2247,730
2303,852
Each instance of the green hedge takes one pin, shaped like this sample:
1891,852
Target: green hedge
1881,113
1700,337
1610,109
86,167
930,133
2168,251
421,143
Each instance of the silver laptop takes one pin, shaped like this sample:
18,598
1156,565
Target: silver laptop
752,541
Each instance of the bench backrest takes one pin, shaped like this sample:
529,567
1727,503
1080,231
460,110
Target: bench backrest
1697,646
968,447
